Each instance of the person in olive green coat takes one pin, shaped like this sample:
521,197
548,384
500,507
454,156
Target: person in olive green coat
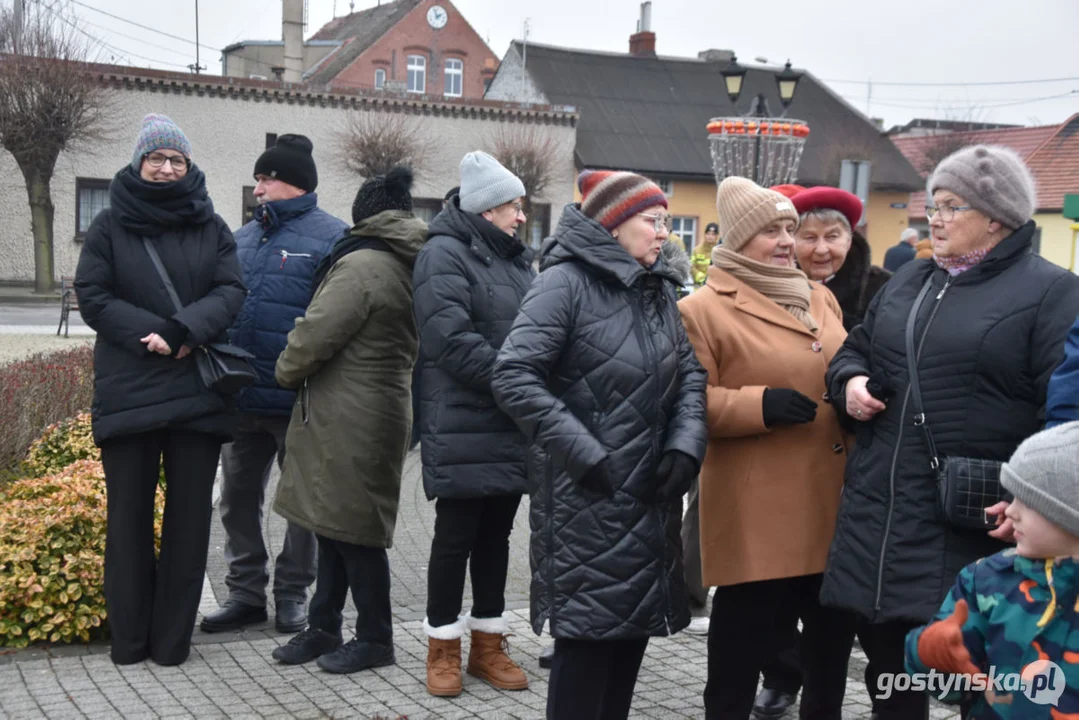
351,357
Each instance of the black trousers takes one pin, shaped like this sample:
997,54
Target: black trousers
783,671
593,679
884,650
152,602
342,567
742,636
471,534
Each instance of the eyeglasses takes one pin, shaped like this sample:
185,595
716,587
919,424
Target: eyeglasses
179,162
660,222
836,239
518,208
947,212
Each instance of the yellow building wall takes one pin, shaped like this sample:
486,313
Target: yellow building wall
1058,239
696,200
883,223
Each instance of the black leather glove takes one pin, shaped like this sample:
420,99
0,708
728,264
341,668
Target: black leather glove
675,474
783,406
598,479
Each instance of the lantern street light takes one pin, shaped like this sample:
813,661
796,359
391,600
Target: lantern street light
786,82
733,75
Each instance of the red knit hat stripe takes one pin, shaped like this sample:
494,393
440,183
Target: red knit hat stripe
610,198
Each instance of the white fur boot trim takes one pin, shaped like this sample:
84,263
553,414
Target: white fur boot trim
492,626
452,631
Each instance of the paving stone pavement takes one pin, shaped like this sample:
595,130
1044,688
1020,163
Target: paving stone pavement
231,675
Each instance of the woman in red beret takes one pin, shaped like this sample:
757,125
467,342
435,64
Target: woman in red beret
831,251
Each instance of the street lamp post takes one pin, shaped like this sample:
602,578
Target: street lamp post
786,82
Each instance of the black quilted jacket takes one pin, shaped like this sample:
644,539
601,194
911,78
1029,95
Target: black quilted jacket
984,366
469,280
597,365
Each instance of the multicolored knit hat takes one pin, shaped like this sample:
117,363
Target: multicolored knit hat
159,133
610,197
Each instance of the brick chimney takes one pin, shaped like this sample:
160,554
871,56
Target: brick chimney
643,42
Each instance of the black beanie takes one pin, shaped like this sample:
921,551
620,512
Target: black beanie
391,191
290,161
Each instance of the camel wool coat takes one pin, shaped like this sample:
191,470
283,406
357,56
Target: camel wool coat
768,496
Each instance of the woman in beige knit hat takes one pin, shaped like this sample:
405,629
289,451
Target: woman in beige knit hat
771,479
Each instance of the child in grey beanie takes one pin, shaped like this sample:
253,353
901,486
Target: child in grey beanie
1043,476
1013,613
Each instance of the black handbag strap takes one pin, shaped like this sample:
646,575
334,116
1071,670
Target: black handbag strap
912,370
156,260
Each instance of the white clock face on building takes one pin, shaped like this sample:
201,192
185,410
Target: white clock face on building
437,17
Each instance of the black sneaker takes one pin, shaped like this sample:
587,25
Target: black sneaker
356,655
306,646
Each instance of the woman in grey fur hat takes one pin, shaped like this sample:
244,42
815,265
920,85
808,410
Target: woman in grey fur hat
989,329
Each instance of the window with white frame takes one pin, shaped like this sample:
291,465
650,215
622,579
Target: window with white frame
92,196
686,229
417,74
380,79
454,78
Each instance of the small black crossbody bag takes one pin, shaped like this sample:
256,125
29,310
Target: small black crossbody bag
222,366
965,486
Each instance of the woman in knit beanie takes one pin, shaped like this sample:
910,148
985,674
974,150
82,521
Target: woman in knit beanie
351,356
598,374
771,480
980,195
151,407
984,324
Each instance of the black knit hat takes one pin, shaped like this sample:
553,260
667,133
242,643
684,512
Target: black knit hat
391,191
290,161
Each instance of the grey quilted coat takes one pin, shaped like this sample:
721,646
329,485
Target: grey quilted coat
597,366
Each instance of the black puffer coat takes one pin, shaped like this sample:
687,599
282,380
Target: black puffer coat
984,367
469,280
123,298
598,366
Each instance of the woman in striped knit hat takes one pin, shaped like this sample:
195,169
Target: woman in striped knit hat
599,375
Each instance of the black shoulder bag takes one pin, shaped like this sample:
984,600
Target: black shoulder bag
965,486
222,366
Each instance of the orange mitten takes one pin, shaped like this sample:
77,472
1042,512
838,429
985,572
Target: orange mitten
941,644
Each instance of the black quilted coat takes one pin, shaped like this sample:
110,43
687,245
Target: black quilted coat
598,366
469,280
984,366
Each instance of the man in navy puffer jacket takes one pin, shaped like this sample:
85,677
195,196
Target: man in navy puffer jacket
278,252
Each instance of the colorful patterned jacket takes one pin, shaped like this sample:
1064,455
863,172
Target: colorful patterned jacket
1022,611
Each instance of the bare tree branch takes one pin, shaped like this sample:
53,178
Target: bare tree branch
372,143
49,102
527,152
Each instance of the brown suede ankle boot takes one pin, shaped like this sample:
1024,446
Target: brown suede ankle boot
488,661
444,667
444,658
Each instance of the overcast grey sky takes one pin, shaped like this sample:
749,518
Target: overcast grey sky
846,43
